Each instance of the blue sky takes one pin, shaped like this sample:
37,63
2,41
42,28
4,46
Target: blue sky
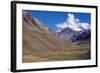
51,18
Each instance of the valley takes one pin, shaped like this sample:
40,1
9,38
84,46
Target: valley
40,44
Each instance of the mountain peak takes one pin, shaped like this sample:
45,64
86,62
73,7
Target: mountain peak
33,22
73,35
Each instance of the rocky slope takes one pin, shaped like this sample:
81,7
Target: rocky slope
37,37
41,44
70,35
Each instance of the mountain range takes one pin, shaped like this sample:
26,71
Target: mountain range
38,37
71,35
39,43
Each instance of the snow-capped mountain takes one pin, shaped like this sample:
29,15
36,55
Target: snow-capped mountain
73,30
68,34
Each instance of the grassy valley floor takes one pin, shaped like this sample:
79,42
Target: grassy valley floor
74,52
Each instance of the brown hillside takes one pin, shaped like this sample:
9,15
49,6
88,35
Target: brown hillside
39,43
36,36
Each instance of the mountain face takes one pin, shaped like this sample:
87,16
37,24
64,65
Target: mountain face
40,44
37,37
69,34
33,22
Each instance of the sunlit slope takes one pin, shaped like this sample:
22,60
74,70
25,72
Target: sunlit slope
41,44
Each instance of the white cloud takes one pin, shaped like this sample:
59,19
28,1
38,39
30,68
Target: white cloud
85,25
75,28
73,23
71,19
62,25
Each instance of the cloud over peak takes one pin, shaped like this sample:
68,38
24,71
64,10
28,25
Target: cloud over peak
73,23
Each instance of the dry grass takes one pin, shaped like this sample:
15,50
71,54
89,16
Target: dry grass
76,52
40,44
